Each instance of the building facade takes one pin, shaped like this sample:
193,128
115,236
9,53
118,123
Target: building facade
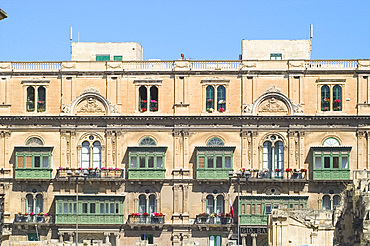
155,152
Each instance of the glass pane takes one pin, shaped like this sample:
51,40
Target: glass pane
37,161
344,162
201,162
60,206
153,99
70,208
147,141
227,161
220,205
326,162
143,99
219,162
152,204
221,98
65,208
336,201
30,99
337,98
210,205
150,162
85,155
159,162
248,209
28,161
102,208
318,162
253,208
133,162
210,162
268,208
258,208
325,98
29,203
210,97
74,208
45,161
243,208
92,208
96,155
39,204
117,208
107,208
150,238
142,161
326,203
218,240
117,58
84,208
335,162
142,204
111,205
215,142
20,162
211,241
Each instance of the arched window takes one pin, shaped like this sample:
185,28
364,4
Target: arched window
326,202
29,204
273,157
39,204
153,98
221,98
147,204
152,204
210,205
220,205
30,106
330,142
143,99
34,141
142,204
147,141
336,201
91,153
210,98
215,204
41,102
85,155
337,98
325,98
215,142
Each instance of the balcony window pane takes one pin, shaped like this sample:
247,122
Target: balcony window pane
253,208
243,208
111,205
84,208
102,208
336,201
150,162
107,208
201,162
29,205
268,208
39,204
133,162
159,162
258,208
37,161
142,161
210,205
318,162
326,203
142,204
337,98
152,204
45,161
220,205
248,209
335,162
92,208
65,208
117,208
325,98
20,162
219,162
28,161
344,162
74,208
210,162
326,162
221,98
227,161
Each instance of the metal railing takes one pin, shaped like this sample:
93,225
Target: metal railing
90,173
145,219
209,219
22,218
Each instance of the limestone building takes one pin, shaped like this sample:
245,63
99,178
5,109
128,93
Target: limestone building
153,152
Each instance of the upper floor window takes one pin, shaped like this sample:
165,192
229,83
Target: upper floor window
212,101
276,56
34,204
147,204
33,155
148,103
91,153
331,98
215,204
215,142
273,156
36,99
147,155
330,202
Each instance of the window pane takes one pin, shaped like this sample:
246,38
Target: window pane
102,208
210,162
142,204
218,240
201,162
344,162
28,161
335,162
96,155
30,99
337,98
20,162
111,205
326,162
41,102
325,98
153,99
150,162
84,208
117,58
318,162
243,208
107,208
220,205
117,208
39,204
45,161
150,238
143,99
210,97
268,208
210,205
326,203
152,204
248,209
219,162
258,208
133,162
29,203
102,57
142,161
221,98
336,201
65,208
37,161
253,208
92,208
159,162
85,155
227,161
74,208
211,241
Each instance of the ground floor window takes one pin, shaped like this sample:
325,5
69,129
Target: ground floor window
215,240
147,237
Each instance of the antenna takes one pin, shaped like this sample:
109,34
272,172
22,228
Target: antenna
70,38
311,31
78,36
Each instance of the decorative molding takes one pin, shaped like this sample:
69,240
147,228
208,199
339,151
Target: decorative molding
90,106
273,106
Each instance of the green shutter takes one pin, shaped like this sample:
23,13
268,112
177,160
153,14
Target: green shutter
117,58
102,57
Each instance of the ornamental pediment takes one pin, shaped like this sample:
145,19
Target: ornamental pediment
272,106
90,106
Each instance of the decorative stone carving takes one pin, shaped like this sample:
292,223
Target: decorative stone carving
66,108
247,108
91,105
297,108
272,105
273,89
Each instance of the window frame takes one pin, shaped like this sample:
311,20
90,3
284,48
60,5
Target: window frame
147,152
102,57
207,152
214,106
331,83
276,56
147,84
33,152
91,147
330,152
35,85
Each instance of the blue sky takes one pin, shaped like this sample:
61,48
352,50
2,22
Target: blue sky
38,30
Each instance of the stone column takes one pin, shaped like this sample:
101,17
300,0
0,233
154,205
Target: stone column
254,239
244,240
61,237
70,234
106,234
116,235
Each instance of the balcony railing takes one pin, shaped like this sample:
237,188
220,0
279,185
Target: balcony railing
145,219
208,219
90,173
278,175
21,218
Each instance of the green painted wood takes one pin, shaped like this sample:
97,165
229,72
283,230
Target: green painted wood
253,219
89,219
33,173
331,174
146,173
219,173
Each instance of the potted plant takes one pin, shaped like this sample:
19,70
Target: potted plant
210,110
202,218
221,110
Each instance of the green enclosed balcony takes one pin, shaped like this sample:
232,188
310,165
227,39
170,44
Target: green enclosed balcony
147,162
94,209
331,163
33,162
254,210
214,162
